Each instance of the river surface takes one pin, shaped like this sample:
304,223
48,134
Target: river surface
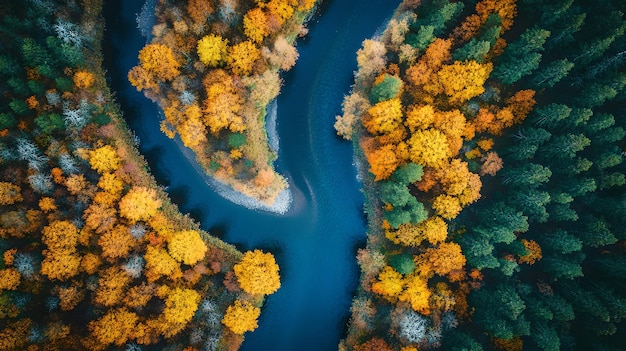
315,242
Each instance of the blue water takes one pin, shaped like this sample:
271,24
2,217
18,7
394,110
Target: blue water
315,243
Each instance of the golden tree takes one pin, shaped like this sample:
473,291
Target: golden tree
159,61
461,81
83,79
9,279
383,161
389,284
429,148
160,263
255,25
433,229
139,204
116,243
447,206
419,117
241,317
115,327
257,273
60,265
180,306
384,117
416,293
187,247
212,50
104,159
241,57
9,193
111,285
445,258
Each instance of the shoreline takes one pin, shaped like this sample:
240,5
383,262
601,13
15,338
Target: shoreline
282,202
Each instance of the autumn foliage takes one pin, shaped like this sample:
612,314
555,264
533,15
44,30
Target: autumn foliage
433,104
257,273
213,67
93,255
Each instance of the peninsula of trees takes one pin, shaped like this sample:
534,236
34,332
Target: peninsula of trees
213,66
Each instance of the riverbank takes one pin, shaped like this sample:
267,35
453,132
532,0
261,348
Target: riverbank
89,236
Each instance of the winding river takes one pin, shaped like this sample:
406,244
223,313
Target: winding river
315,242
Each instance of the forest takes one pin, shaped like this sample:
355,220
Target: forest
94,254
491,132
494,134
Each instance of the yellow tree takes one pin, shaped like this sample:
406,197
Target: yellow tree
104,159
139,204
9,279
429,148
223,103
389,284
187,247
419,117
460,81
60,265
445,258
100,217
83,79
160,263
241,317
281,9
212,50
60,236
60,259
111,285
384,117
255,25
9,193
180,306
110,183
115,327
433,229
116,243
241,57
192,131
447,206
159,61
257,273
416,293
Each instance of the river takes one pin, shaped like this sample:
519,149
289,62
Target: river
315,242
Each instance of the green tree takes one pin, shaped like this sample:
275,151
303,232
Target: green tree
501,312
387,89
551,73
526,175
522,56
408,173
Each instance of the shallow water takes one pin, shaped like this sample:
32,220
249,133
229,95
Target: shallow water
314,243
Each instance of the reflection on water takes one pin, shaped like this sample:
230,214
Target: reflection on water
316,241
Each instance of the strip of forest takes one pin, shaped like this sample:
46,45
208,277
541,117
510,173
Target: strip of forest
493,132
94,254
